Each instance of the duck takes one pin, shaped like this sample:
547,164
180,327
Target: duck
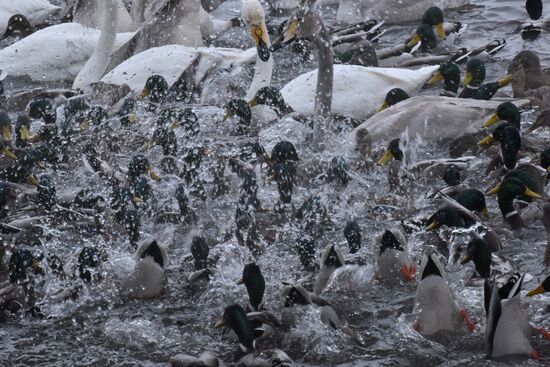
508,190
89,264
70,46
392,257
35,12
488,265
395,11
295,295
148,277
450,74
331,259
472,83
394,96
508,331
18,25
199,252
435,305
532,29
506,111
172,61
510,143
542,288
534,77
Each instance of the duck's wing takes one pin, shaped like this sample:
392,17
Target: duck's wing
264,317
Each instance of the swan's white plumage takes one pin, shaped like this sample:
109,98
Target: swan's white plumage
431,117
89,14
55,53
94,69
357,91
391,11
36,11
171,61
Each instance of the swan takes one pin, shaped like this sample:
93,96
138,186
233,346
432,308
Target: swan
172,61
88,13
147,279
36,11
390,11
96,65
349,90
56,53
433,118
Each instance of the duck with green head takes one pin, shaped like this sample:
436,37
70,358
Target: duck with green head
506,111
165,137
240,109
21,170
5,126
394,96
473,200
425,34
271,97
155,89
450,74
434,18
234,318
510,143
175,117
127,112
450,217
542,288
140,165
41,108
487,264
545,159
473,86
508,190
22,127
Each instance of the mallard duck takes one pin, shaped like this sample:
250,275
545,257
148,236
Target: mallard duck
394,96
255,286
435,305
155,89
392,257
473,82
542,288
140,165
506,111
331,259
122,203
487,264
508,190
352,234
199,251
510,143
272,97
294,295
450,74
89,263
545,159
473,200
234,318
241,109
508,332
534,76
147,278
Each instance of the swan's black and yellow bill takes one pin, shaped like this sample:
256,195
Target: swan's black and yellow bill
259,35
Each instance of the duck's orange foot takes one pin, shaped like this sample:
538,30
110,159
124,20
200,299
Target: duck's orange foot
469,324
545,334
535,355
408,272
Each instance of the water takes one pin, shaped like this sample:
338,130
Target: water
102,328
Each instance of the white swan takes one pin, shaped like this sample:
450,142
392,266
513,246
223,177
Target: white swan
88,13
36,11
96,65
172,60
390,11
350,90
147,279
56,53
431,117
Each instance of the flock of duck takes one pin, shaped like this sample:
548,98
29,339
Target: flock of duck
79,164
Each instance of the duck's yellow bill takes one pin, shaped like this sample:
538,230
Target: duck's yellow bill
144,93
386,157
531,194
432,226
219,324
465,259
539,290
24,133
132,117
548,169
31,180
35,138
137,200
491,120
253,102
488,140
290,32
6,133
494,190
175,124
505,80
383,106
414,40
440,31
153,174
467,79
436,78
8,153
485,212
240,281
84,125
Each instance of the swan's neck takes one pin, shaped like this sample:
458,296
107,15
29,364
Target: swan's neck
97,64
264,70
323,91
